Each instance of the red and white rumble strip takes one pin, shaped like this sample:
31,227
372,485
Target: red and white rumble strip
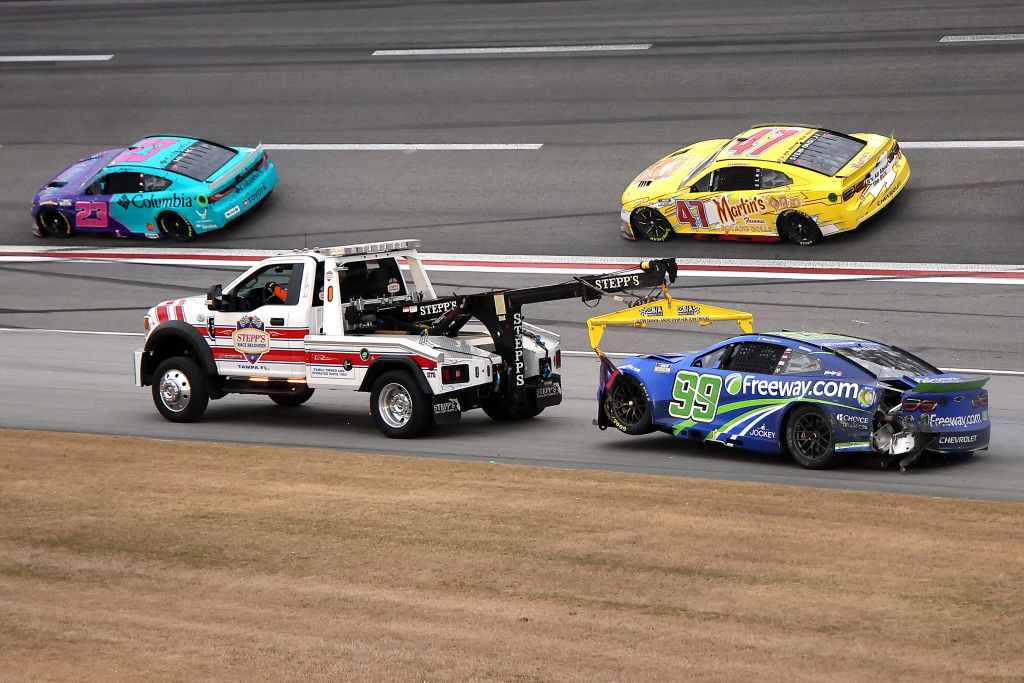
995,274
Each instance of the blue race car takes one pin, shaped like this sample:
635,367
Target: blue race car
818,396
163,186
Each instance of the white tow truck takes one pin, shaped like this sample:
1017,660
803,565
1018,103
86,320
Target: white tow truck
364,317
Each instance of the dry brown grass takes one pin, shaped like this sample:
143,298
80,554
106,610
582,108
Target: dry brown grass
128,558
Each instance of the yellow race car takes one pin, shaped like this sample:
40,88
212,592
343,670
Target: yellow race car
768,183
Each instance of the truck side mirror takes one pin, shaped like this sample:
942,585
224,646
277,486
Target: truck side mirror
215,298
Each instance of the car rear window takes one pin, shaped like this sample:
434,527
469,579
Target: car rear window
885,361
826,152
200,160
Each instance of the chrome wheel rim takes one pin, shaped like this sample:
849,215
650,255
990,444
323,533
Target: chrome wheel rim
395,405
175,390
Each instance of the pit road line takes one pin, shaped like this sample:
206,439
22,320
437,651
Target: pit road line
569,265
982,38
403,147
55,58
509,50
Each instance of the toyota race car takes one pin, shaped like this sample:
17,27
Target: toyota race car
769,183
159,187
818,396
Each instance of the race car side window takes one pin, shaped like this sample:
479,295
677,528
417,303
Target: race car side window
770,178
798,363
704,184
714,360
117,183
154,183
734,179
756,357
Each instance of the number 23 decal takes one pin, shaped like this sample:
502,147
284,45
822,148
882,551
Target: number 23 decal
91,214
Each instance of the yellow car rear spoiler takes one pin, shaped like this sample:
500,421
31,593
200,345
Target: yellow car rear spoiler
665,310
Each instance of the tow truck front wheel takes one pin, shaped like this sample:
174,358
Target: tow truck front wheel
399,407
180,391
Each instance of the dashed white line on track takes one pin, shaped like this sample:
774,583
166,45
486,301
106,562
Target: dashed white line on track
55,58
982,38
508,50
964,144
402,147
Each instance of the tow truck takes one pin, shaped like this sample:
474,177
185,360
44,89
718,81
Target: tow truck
366,318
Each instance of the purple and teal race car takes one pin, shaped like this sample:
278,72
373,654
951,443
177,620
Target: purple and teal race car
161,186
820,397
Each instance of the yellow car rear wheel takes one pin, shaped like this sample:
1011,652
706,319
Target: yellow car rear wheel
798,228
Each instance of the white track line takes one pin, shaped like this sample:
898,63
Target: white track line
964,144
982,38
503,146
402,147
576,354
567,265
508,50
55,58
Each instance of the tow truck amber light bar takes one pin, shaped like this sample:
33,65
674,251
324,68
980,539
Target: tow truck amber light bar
371,248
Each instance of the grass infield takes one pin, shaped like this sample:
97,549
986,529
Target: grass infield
127,558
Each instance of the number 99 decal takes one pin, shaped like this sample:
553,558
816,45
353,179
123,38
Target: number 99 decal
695,396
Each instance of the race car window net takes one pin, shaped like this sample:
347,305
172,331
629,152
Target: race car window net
826,152
200,160
734,179
884,361
755,357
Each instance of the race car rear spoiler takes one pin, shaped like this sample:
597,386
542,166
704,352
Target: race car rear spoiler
945,387
665,310
228,177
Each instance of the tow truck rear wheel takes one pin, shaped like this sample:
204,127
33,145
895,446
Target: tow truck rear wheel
399,407
504,411
296,398
627,406
180,389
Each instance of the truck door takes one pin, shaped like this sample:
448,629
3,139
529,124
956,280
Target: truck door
262,332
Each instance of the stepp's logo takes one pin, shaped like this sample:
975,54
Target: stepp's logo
250,338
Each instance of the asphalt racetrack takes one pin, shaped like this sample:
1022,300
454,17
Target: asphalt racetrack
528,154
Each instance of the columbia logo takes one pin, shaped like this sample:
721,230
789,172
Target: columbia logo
123,201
